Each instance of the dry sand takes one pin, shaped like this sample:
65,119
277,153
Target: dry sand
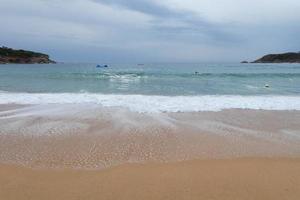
87,152
247,179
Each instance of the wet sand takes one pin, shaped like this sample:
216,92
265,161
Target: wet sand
90,152
93,137
247,179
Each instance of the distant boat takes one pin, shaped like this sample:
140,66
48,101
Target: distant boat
102,66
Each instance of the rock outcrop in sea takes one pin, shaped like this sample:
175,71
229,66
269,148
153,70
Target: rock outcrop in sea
8,55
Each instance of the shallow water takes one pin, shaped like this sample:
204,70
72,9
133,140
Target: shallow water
153,79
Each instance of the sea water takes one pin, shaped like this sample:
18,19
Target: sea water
155,87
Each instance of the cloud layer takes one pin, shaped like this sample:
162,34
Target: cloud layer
151,30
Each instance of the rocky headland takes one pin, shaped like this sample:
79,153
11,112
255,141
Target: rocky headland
280,58
12,56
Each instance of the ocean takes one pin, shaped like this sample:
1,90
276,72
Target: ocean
155,87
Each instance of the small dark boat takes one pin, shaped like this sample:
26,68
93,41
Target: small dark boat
102,66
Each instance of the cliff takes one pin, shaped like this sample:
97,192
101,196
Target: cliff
280,58
8,55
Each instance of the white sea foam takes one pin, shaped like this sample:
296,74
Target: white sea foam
155,104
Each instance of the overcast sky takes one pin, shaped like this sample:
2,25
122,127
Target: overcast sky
151,30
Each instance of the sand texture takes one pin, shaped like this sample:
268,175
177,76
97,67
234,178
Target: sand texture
86,152
247,179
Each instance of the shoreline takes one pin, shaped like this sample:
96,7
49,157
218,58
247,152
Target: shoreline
158,104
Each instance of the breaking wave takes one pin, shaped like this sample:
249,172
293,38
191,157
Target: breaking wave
154,104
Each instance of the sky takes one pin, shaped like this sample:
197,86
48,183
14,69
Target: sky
134,31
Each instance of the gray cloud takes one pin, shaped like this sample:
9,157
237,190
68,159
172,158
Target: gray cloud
144,6
183,23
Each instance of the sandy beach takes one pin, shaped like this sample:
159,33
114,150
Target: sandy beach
90,152
258,179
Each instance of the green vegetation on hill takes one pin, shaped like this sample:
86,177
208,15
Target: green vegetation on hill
4,51
8,55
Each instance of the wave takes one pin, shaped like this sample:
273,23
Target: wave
134,75
156,104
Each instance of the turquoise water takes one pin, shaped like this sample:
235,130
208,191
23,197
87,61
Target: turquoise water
155,87
153,79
